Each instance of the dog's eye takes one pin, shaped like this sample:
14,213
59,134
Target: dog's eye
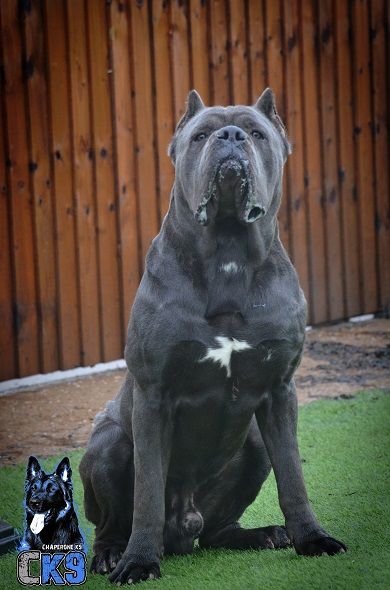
258,134
34,486
200,137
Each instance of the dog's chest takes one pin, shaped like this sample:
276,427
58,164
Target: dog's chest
227,368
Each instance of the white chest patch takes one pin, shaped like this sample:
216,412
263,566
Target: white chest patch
223,354
230,267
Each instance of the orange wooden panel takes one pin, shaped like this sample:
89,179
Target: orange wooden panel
295,170
23,248
312,161
275,79
108,268
274,52
64,210
199,48
238,55
83,184
124,160
346,163
329,152
219,53
39,166
144,124
7,339
257,59
180,55
381,121
364,147
164,100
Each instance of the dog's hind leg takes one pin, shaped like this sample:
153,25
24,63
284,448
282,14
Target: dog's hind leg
107,472
223,502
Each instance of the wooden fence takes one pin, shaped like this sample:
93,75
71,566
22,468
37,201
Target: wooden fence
90,94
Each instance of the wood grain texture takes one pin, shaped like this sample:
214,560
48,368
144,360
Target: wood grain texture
90,94
312,162
23,246
331,196
60,158
41,186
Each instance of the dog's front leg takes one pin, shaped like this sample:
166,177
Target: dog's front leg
152,443
277,419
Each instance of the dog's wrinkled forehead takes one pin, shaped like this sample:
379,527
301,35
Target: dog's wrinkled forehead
214,118
262,117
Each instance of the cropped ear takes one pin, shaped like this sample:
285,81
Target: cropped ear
266,104
64,470
33,468
194,104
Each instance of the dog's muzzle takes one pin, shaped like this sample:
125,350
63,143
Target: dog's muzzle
230,194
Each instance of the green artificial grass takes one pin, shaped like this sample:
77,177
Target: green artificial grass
345,451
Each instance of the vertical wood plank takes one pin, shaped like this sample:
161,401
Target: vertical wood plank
200,49
23,244
40,173
238,53
330,179
64,210
381,121
8,367
275,80
144,114
124,154
312,162
219,53
364,151
295,170
83,184
274,49
104,188
164,100
180,55
257,49
346,160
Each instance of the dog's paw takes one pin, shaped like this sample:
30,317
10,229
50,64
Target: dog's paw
319,544
131,572
278,536
105,561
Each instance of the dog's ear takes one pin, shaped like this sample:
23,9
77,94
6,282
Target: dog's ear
33,468
63,470
266,104
193,106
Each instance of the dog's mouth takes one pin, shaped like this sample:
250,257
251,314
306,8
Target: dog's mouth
39,521
230,194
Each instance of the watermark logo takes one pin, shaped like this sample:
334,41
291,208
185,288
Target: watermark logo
60,568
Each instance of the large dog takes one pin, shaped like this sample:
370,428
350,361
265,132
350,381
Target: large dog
215,335
50,515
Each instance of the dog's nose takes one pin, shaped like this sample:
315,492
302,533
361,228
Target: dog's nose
34,501
232,133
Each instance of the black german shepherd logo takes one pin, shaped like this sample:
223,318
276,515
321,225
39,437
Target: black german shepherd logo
50,515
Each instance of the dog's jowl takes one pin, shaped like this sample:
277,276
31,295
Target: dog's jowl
215,335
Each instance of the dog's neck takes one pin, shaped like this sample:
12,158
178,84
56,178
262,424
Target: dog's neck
225,243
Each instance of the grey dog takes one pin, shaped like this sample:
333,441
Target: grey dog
215,335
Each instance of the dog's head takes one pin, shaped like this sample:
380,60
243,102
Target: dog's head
229,160
48,496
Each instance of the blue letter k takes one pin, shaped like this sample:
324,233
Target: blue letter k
49,566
